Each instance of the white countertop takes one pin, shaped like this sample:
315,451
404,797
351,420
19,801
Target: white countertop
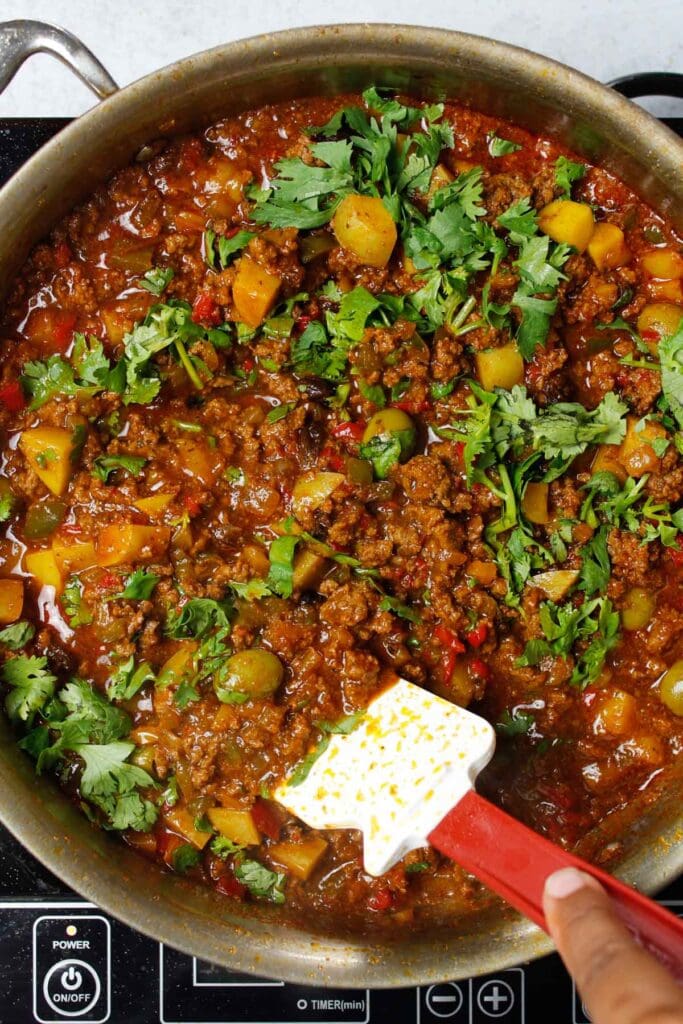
605,38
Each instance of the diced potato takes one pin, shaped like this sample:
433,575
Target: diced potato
189,220
499,367
556,582
441,177
483,572
48,453
198,461
664,264
607,247
462,166
42,565
636,453
236,824
121,543
660,318
299,858
256,557
309,568
667,291
363,226
254,291
459,689
535,503
607,461
174,668
638,608
11,600
569,222
616,714
182,821
154,505
73,556
313,489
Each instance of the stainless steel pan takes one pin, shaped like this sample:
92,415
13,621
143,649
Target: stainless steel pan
532,90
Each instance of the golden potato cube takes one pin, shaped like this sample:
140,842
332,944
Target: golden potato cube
636,453
236,824
182,821
254,292
299,859
313,489
607,247
499,367
556,582
11,600
121,543
660,318
154,505
569,222
535,503
309,568
364,227
607,461
667,291
441,177
663,264
616,714
48,453
73,556
42,565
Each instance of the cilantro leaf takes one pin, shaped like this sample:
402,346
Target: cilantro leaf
260,881
127,679
519,219
385,451
404,611
566,173
105,465
44,380
17,635
670,351
280,578
595,564
499,147
139,586
223,847
254,590
32,686
109,781
185,857
514,723
95,718
198,617
76,610
157,279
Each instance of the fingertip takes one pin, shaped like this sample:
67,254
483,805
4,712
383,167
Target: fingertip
566,882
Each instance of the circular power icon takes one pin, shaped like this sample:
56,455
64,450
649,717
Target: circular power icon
444,1000
71,988
495,998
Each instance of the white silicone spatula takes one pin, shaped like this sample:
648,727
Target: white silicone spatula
405,777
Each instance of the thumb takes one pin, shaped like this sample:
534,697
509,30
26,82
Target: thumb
619,982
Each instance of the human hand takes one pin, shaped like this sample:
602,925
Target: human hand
619,982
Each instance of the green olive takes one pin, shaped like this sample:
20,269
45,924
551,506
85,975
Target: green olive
43,518
248,675
387,421
639,607
671,688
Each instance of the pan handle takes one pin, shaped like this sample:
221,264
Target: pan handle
21,39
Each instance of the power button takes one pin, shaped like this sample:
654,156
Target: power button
71,961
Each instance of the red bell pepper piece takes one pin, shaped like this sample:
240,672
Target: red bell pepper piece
381,900
266,818
205,310
63,330
229,886
477,635
12,396
480,669
453,646
676,554
192,506
350,431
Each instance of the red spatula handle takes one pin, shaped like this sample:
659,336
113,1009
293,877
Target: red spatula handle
515,862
